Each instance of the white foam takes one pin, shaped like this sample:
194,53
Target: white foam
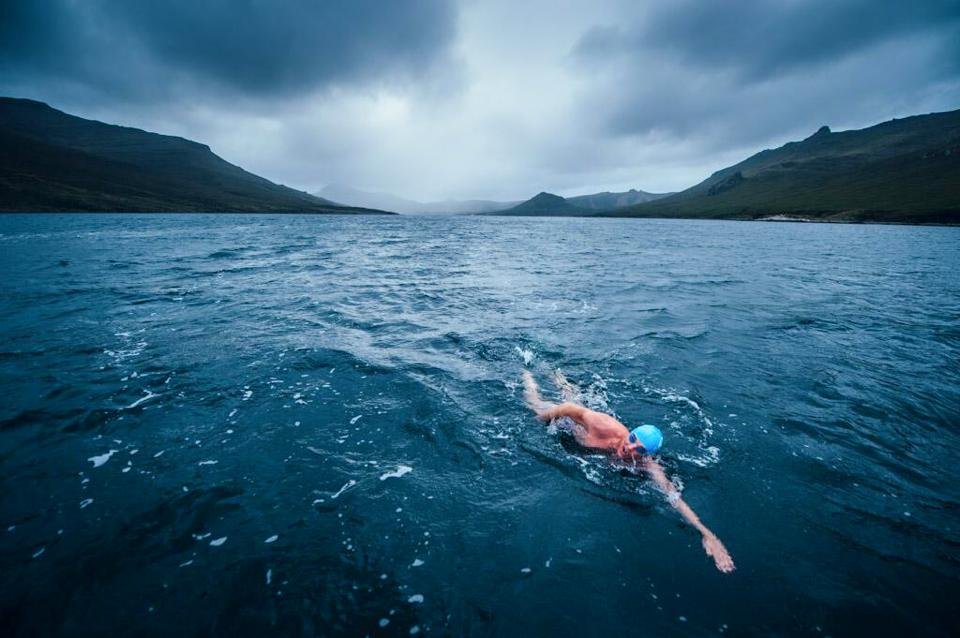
591,473
247,394
355,419
525,570
712,455
384,622
526,355
101,459
346,486
400,471
148,396
693,404
271,539
269,576
709,454
217,542
85,502
416,598
416,562
415,630
186,563
159,454
208,462
39,552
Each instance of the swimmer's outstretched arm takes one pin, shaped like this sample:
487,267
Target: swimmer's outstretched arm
547,411
576,412
531,394
711,544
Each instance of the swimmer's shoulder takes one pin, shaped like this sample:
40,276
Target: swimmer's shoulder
605,420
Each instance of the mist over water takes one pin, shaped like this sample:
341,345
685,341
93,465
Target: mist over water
311,425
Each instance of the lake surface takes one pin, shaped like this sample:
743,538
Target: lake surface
256,425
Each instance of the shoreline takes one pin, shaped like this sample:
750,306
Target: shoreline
769,219
776,219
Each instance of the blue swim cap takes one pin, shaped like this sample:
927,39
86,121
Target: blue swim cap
649,436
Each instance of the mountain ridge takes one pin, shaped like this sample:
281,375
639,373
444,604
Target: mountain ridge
544,204
53,161
902,170
549,204
607,200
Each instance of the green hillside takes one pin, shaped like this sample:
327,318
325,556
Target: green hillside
905,170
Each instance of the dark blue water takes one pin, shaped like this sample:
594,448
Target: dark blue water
261,425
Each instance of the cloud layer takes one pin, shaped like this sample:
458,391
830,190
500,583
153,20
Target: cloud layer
135,48
433,99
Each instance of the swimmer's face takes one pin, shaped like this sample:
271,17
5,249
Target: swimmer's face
634,445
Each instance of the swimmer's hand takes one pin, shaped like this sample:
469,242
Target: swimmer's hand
718,552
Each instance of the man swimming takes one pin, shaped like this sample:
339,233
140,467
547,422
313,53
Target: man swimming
600,431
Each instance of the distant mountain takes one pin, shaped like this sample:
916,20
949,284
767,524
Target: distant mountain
545,204
464,206
52,161
905,170
548,204
354,197
609,201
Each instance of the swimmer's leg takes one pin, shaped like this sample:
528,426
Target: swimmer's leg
531,394
568,391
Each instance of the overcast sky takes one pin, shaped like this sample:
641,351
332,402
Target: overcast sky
484,99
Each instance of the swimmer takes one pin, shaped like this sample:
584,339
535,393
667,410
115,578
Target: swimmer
600,431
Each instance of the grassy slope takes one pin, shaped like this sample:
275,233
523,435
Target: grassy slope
51,161
905,170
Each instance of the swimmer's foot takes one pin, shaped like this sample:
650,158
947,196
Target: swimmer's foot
719,553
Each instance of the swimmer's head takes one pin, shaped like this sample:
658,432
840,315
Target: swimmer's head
646,438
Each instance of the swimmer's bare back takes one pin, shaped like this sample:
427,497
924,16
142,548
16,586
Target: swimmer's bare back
600,431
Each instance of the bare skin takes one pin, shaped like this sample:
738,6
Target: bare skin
601,431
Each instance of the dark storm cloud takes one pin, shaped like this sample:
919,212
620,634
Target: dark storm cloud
135,48
745,71
493,99
760,38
